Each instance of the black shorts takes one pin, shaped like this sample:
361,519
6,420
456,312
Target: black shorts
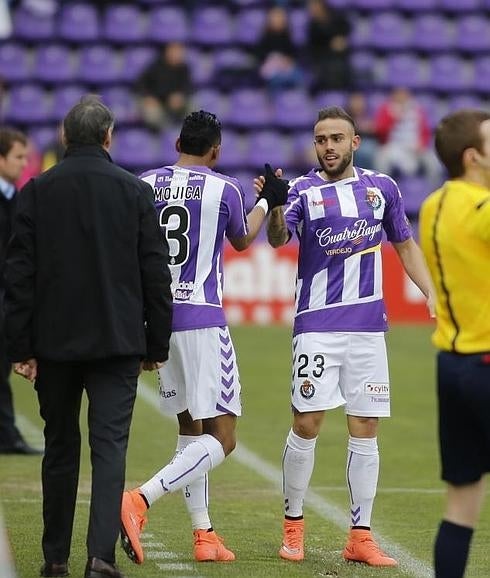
463,383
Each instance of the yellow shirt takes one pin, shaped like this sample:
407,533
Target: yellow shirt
454,226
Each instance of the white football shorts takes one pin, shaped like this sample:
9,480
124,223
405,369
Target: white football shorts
334,369
201,374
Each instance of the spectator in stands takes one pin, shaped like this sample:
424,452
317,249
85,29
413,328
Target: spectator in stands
33,164
403,131
358,110
328,47
276,52
165,86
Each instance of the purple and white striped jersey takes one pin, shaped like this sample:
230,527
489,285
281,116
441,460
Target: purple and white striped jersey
340,226
196,208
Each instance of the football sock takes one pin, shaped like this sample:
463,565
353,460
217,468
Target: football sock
297,466
194,460
451,550
196,493
362,478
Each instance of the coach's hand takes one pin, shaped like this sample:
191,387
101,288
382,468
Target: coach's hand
274,190
150,365
27,369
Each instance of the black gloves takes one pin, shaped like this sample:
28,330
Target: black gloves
275,190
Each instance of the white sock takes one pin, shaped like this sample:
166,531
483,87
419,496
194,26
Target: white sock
196,493
297,466
362,478
195,459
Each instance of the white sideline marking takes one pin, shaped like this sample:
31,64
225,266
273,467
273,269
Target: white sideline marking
322,507
151,555
175,566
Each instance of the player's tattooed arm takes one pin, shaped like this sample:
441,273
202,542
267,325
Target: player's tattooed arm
277,231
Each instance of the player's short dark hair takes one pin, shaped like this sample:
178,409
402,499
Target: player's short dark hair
457,132
200,131
9,136
88,122
336,112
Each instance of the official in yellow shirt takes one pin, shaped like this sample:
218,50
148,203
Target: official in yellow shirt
455,238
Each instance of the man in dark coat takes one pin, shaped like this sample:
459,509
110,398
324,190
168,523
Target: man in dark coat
88,303
13,159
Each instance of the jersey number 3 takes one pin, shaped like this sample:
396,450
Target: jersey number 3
175,220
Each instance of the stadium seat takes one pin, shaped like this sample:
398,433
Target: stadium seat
459,5
373,5
15,62
416,6
432,33
414,190
482,75
330,98
201,64
303,150
233,68
249,109
390,31
43,136
293,109
434,106
450,73
33,27
233,151
212,100
136,149
124,23
54,63
168,23
64,98
459,101
364,66
361,33
134,60
298,20
122,102
404,69
79,23
212,26
269,146
27,104
473,33
249,25
99,64
167,153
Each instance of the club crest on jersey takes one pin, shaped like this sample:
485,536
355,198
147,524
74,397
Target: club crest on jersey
373,198
307,389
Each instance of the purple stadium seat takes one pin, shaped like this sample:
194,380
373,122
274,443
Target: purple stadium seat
201,65
390,31
168,23
293,109
404,69
298,20
136,149
28,103
122,102
434,106
432,32
459,101
361,32
459,5
416,6
450,73
33,26
249,108
482,74
269,146
473,33
212,26
212,101
330,98
304,155
364,64
249,25
233,151
134,60
414,190
64,98
15,64
54,63
124,23
233,68
79,23
99,64
374,5
43,136
166,147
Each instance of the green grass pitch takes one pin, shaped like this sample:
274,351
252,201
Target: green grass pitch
245,497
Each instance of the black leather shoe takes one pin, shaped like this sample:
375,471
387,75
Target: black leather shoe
54,570
22,448
97,568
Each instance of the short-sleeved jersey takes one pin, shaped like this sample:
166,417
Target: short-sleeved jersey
455,239
196,208
340,227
